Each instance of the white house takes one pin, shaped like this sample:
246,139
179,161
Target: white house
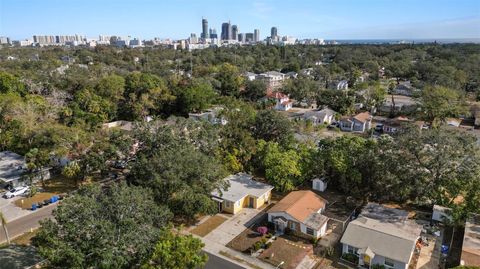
210,115
301,213
283,102
317,117
342,85
359,123
441,213
250,76
272,79
381,236
13,169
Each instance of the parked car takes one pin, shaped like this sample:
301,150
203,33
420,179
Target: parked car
379,128
120,164
16,192
333,125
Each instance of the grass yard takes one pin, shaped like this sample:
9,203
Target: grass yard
59,184
25,239
288,251
209,225
38,197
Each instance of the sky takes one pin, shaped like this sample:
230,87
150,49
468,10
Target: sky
327,19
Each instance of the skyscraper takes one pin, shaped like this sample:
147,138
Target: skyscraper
213,33
226,31
273,32
234,32
256,35
205,33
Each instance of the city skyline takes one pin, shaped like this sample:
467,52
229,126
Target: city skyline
341,19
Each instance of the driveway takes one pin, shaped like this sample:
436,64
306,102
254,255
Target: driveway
10,210
430,255
232,227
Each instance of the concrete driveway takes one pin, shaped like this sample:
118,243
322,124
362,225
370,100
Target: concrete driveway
233,226
10,210
430,255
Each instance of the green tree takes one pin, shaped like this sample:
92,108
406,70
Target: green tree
301,89
273,126
176,251
339,101
112,228
11,84
282,167
145,94
254,90
230,80
196,97
439,103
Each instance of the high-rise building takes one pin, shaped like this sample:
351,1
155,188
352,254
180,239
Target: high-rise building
213,33
4,40
205,33
234,32
256,35
273,32
242,38
249,37
226,31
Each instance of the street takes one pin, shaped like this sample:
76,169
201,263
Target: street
216,262
24,224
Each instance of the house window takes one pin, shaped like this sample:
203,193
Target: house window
292,225
389,262
352,250
228,204
310,231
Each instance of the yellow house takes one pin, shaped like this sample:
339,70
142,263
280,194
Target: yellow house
243,192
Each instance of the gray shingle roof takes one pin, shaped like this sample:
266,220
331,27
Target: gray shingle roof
387,233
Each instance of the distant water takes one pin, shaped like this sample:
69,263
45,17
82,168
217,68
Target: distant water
404,41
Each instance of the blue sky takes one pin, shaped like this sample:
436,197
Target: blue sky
329,19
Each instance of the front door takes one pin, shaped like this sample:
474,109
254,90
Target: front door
220,206
251,202
279,227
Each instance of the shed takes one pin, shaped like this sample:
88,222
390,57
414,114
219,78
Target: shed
319,184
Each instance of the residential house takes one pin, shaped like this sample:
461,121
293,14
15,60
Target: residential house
272,79
317,117
395,125
341,85
441,213
282,101
404,88
250,76
301,213
381,236
359,123
243,192
13,170
119,124
211,115
453,122
471,242
291,75
398,103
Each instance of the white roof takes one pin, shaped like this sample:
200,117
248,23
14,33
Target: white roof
242,185
11,166
385,231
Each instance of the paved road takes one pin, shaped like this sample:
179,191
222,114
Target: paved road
24,224
216,262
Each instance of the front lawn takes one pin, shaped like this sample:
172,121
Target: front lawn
291,252
245,240
209,225
39,197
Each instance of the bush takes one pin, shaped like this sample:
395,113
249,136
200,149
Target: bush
262,230
264,240
314,241
330,252
267,245
269,235
257,245
350,257
287,231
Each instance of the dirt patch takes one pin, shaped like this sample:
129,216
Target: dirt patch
288,251
208,226
37,198
59,184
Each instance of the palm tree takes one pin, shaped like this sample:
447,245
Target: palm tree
3,223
